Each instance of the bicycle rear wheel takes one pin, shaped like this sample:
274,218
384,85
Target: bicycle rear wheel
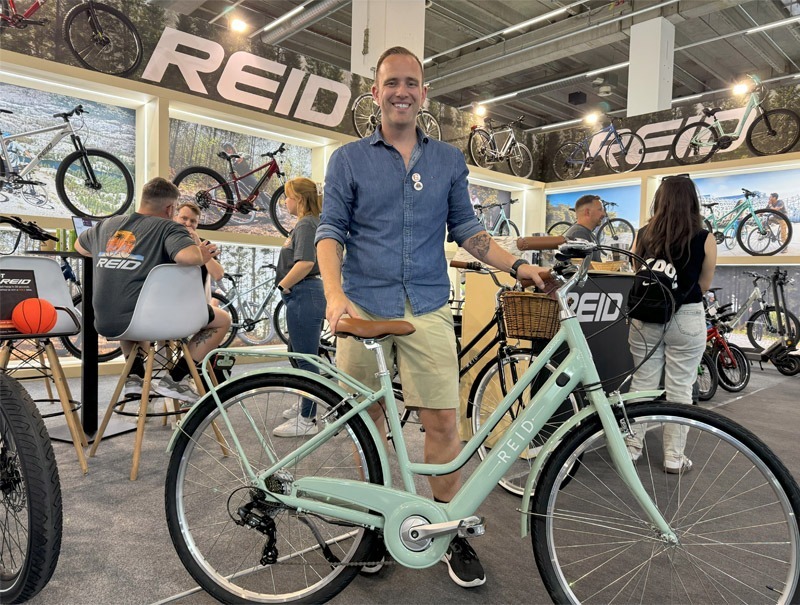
429,125
520,161
30,498
569,161
559,228
508,228
110,44
493,382
733,370
694,143
206,188
775,131
626,155
707,378
283,220
773,236
366,115
106,350
762,328
480,147
616,232
735,514
207,491
95,184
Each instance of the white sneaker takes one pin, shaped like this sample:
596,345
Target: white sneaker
293,411
634,452
297,427
133,387
177,390
678,467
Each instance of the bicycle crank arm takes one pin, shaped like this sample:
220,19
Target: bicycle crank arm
471,526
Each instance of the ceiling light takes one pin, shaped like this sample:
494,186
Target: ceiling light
479,110
525,24
741,89
780,23
238,25
592,118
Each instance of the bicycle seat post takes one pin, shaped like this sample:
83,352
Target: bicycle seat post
374,344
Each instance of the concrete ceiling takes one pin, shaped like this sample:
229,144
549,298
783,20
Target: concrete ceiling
548,60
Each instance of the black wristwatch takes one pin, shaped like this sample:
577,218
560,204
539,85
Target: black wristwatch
515,267
282,289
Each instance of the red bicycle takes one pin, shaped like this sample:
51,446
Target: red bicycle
730,362
219,199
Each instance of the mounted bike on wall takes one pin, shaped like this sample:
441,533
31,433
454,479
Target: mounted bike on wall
496,143
366,116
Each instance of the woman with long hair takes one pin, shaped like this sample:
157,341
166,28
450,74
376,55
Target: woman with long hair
674,239
299,281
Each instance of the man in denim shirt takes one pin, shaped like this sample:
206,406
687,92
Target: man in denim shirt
390,200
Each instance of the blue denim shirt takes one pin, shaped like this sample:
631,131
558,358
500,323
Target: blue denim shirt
393,232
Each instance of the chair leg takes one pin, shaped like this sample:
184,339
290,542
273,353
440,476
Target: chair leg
46,378
5,354
202,391
137,445
114,399
70,415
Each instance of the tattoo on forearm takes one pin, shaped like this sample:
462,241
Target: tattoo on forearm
478,245
339,252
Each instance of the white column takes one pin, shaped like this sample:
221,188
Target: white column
652,50
381,24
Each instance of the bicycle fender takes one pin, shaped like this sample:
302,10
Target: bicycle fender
373,430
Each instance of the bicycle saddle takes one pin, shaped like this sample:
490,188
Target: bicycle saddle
710,205
710,112
364,328
230,157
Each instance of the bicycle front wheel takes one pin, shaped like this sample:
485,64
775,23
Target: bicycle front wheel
559,228
627,153
762,328
493,383
520,161
480,147
102,39
569,161
279,321
366,115
694,143
283,220
735,514
94,184
30,499
775,131
208,491
106,350
206,188
773,236
733,370
226,306
617,233
707,378
508,228
429,125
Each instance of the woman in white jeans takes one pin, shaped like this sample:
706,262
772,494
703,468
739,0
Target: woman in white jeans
674,235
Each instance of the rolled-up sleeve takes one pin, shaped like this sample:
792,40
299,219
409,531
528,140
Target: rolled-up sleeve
462,223
337,203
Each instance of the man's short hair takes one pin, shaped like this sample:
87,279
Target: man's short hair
775,195
159,192
585,200
397,50
191,205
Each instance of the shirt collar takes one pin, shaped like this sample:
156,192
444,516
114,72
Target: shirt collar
377,136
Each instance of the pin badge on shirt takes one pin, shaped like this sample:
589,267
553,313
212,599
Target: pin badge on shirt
416,177
418,186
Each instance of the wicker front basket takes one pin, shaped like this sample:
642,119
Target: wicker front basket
529,315
610,265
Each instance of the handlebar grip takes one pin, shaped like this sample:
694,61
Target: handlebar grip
547,277
544,242
468,265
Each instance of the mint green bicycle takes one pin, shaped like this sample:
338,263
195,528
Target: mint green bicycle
258,519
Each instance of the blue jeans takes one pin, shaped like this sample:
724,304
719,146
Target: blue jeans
305,313
677,358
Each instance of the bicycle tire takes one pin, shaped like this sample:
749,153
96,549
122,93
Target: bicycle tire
491,384
203,186
735,514
762,328
774,132
480,147
788,366
765,241
365,114
429,125
695,143
506,229
569,161
279,214
106,351
628,154
734,370
616,232
33,197
520,161
113,194
279,321
31,517
226,306
204,490
263,328
707,378
559,228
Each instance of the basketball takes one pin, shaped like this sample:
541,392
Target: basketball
34,316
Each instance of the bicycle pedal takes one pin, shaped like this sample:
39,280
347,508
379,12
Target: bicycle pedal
24,22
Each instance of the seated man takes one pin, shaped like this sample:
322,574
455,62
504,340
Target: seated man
126,249
589,213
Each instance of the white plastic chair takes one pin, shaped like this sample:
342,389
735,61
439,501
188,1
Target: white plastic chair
171,307
50,286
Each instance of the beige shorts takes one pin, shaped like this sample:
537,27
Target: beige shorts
427,360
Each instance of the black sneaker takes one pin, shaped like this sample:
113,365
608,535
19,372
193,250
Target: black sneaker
463,565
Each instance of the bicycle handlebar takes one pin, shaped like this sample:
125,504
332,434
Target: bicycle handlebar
488,123
76,111
30,228
542,242
272,154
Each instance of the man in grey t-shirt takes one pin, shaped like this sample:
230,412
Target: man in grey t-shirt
589,213
125,249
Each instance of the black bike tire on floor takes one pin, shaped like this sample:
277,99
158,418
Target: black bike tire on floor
763,214
63,167
231,390
546,508
75,351
121,17
702,158
793,117
226,189
742,364
793,329
278,320
226,306
710,370
28,437
275,215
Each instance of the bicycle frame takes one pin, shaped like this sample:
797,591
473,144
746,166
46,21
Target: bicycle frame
354,501
729,218
37,4
752,103
272,168
501,219
64,130
238,296
509,143
611,136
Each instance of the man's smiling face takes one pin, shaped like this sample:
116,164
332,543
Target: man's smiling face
399,91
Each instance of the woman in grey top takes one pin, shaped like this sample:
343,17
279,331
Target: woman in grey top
301,288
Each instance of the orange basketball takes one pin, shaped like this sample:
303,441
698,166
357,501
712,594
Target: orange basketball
34,316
